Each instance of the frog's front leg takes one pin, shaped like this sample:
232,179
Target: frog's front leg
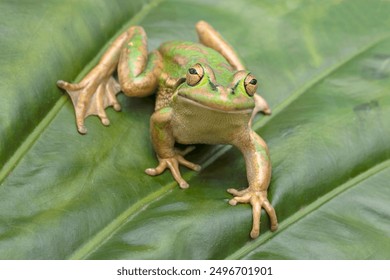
138,76
258,168
260,106
163,142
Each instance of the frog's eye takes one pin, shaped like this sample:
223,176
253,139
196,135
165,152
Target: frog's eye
250,84
194,75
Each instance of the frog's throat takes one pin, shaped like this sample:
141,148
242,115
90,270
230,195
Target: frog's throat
201,105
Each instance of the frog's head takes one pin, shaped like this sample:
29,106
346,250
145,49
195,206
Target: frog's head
201,87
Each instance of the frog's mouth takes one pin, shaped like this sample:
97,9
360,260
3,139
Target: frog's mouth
218,107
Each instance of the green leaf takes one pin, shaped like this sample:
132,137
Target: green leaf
323,66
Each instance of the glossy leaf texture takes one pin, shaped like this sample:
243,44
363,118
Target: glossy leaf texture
323,66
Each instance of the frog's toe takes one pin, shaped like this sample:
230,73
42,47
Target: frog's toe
69,86
188,164
103,118
105,121
236,192
238,199
173,165
184,185
186,151
180,157
150,171
267,111
82,129
158,170
80,124
271,213
117,106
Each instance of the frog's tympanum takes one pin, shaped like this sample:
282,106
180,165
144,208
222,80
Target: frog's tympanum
204,96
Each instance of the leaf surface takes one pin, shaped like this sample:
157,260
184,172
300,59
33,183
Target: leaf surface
323,67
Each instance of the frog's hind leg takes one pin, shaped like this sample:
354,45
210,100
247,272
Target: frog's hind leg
209,37
138,72
98,89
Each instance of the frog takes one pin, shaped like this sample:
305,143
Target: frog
204,95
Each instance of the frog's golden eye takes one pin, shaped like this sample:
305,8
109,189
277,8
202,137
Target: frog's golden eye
194,75
250,84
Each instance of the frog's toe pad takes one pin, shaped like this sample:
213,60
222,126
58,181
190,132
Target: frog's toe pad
151,171
82,129
105,121
184,185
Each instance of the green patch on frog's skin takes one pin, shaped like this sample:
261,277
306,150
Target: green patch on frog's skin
160,128
166,110
178,56
135,51
262,151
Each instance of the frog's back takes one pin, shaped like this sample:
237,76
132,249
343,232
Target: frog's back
178,56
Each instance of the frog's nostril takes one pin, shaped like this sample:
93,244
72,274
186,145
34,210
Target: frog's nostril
224,91
213,86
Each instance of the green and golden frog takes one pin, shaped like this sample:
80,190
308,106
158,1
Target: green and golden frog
204,96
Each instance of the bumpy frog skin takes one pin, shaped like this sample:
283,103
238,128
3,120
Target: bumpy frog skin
204,95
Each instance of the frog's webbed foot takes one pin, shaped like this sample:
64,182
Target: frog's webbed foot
92,95
258,200
173,164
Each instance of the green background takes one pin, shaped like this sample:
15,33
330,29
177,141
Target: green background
324,68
